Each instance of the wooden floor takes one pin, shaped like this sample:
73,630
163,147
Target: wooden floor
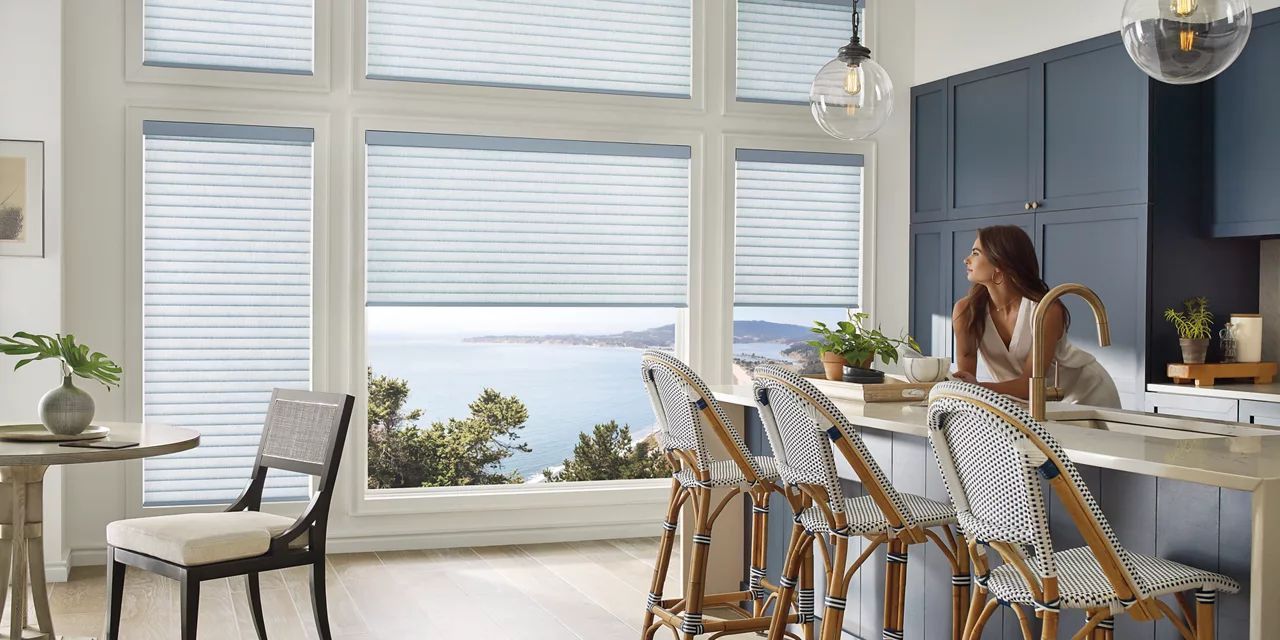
588,590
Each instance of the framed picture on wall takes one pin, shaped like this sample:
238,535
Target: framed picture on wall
22,198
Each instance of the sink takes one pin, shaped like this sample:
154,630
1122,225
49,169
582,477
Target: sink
1154,425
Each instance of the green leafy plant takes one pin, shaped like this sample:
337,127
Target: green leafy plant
75,358
857,343
1194,321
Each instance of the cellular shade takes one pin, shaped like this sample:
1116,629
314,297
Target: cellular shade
227,298
474,220
237,35
783,43
609,46
798,220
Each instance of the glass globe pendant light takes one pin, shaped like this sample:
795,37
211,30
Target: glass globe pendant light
1185,41
852,96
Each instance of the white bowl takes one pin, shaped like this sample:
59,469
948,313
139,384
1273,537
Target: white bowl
926,369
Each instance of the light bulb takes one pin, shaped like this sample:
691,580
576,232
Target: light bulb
853,80
1185,41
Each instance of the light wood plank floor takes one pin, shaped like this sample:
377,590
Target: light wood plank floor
589,590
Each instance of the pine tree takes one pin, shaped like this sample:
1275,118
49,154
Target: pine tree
607,453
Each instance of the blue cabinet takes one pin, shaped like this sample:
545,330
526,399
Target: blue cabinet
1245,163
991,151
929,152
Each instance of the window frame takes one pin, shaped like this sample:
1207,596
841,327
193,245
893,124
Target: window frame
321,268
136,69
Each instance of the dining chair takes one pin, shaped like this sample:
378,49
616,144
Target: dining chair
688,417
994,458
304,433
805,430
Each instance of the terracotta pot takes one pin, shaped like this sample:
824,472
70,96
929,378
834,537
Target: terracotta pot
833,366
1193,351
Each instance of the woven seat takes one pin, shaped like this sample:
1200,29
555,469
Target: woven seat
866,518
1082,584
727,473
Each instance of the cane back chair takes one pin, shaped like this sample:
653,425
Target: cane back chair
803,425
993,456
688,417
304,433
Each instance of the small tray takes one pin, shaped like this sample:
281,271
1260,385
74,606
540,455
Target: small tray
1205,375
893,389
37,433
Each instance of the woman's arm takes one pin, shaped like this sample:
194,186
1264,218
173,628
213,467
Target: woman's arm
1054,328
966,356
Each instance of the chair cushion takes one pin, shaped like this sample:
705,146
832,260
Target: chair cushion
191,539
727,473
865,517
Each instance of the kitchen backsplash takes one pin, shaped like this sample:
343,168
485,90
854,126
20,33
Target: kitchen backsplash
1269,298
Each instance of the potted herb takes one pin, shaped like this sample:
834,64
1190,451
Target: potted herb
65,410
1193,324
850,343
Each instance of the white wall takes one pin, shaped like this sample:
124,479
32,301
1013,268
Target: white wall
31,288
953,37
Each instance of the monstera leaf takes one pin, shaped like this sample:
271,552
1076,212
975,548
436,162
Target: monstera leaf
75,358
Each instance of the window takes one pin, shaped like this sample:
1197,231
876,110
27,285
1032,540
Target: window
235,35
797,254
535,268
639,47
226,297
783,43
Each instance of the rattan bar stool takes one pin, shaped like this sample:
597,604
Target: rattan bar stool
803,425
688,415
993,456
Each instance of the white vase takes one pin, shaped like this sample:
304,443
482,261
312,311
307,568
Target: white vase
1248,330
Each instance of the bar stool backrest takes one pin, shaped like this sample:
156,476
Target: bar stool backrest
992,456
688,414
802,423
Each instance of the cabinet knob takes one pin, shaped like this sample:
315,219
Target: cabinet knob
1026,206
1035,205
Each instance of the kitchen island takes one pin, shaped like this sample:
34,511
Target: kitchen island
1198,491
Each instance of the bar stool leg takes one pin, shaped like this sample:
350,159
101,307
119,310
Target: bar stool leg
665,546
697,585
787,582
1206,602
895,586
759,547
834,604
806,589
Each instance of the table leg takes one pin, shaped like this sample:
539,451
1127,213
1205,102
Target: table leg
21,530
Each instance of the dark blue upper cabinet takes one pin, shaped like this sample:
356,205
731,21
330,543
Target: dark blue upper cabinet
1246,137
1094,122
992,145
929,152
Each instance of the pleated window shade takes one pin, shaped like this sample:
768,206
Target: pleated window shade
640,47
456,220
798,221
227,221
783,43
235,35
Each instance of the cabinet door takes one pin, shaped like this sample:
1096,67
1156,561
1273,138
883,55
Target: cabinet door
929,152
990,157
930,313
1105,250
1094,114
1193,406
1266,414
1246,99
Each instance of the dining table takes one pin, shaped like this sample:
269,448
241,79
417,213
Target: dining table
22,468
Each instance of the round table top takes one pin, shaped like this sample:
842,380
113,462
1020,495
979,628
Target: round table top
152,439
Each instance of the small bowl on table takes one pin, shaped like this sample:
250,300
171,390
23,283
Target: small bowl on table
926,369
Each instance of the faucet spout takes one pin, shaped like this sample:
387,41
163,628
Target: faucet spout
1039,364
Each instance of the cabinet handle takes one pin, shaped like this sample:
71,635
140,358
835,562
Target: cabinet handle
1026,206
1035,205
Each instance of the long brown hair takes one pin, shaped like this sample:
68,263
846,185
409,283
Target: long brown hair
1009,249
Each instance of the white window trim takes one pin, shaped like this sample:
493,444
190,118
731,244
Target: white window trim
321,267
316,81
711,125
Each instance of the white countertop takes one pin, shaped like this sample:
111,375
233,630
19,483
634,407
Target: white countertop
1241,462
1257,392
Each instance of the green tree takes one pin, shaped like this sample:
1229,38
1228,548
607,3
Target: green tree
607,453
459,451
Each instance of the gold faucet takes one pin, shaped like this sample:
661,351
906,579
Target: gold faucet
1037,392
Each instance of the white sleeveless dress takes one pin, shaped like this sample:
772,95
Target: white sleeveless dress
1082,379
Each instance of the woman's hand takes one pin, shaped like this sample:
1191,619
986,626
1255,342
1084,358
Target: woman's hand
965,376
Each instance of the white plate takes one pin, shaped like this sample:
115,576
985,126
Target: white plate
37,433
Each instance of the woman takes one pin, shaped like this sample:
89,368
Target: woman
995,320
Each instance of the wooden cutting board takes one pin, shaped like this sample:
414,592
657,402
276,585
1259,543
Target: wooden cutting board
1204,375
893,389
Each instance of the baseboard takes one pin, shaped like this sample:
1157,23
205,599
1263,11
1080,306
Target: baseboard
58,570
442,540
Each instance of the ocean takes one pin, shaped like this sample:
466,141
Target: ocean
567,389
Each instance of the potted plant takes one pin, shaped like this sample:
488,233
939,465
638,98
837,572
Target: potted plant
65,410
1193,324
850,343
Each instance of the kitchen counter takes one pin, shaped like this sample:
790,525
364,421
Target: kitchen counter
1255,392
1208,493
